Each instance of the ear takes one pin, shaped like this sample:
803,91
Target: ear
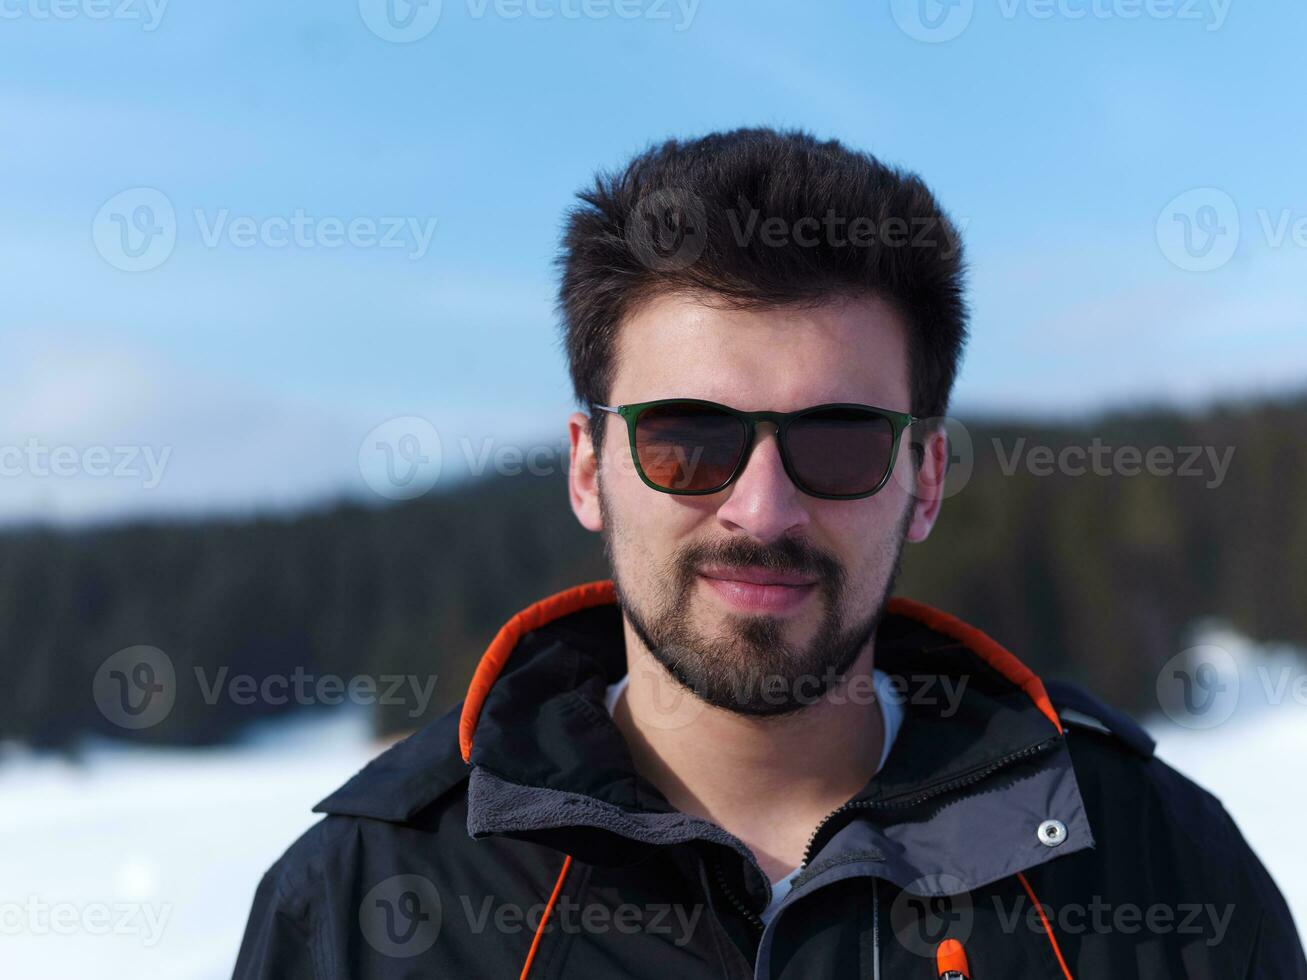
928,484
583,473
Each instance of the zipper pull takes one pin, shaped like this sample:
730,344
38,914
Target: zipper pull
951,961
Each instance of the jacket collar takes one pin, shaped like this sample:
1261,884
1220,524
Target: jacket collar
534,713
980,746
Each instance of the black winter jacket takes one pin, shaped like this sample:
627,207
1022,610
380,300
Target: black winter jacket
1014,831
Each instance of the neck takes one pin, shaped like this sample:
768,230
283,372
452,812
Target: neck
767,780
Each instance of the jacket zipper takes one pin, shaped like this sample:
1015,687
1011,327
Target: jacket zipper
750,916
906,799
920,796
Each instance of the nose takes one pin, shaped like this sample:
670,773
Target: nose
763,502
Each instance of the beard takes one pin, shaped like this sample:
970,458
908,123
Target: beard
746,665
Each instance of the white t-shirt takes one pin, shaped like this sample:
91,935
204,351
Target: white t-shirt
890,709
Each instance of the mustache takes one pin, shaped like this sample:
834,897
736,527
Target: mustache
785,555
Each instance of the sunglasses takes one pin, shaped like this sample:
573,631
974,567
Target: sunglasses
838,451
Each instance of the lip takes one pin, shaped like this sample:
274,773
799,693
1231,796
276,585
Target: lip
756,576
759,590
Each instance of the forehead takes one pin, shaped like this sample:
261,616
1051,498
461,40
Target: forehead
846,350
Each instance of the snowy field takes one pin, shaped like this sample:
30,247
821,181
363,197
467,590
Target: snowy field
154,854
140,863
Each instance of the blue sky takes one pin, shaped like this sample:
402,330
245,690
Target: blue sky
1074,139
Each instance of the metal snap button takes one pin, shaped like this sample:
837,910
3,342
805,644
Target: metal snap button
1052,833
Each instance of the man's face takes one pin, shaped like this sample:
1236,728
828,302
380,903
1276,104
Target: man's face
825,566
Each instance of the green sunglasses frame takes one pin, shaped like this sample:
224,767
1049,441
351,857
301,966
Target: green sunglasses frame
781,420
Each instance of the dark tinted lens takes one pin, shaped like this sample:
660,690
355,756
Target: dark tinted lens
683,446
840,451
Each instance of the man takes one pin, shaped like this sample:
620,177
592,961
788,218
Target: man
740,757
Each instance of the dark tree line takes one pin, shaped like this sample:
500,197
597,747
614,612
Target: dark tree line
1098,578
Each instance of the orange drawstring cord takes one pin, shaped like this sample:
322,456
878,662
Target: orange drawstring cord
544,918
1048,928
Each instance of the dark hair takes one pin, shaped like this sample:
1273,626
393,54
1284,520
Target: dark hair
739,215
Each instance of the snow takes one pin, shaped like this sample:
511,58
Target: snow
1249,748
153,854
1240,767
138,862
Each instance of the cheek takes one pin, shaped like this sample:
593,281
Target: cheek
646,526
645,512
642,520
864,538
